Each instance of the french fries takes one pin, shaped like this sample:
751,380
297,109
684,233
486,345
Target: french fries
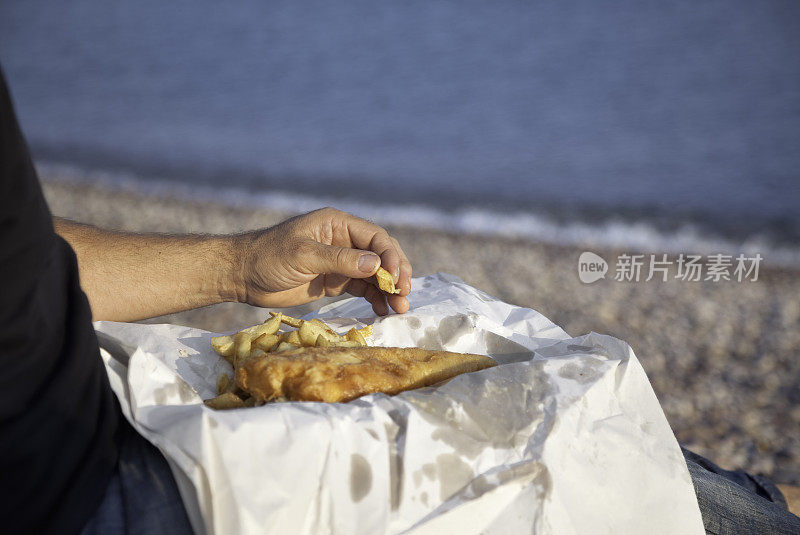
223,383
260,341
354,336
349,343
266,342
288,320
242,343
385,281
225,346
285,346
225,401
366,332
230,396
308,333
291,337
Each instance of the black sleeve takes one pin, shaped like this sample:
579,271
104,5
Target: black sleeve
57,413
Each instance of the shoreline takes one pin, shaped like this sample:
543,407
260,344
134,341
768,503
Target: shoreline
723,357
559,225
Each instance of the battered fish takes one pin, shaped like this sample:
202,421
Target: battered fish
338,374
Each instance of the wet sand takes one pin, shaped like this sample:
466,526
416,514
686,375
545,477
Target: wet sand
723,357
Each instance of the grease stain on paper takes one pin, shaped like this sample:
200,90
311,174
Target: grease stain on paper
450,471
395,467
486,298
587,370
413,322
481,485
449,331
360,477
528,473
461,442
591,350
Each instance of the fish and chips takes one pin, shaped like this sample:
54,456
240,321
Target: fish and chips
315,363
312,362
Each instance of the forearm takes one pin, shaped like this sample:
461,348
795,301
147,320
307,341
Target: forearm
129,277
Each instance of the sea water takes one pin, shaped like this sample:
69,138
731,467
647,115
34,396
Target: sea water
665,125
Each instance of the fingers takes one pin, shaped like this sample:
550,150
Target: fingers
335,284
399,303
378,301
375,297
332,259
341,263
360,238
404,280
368,236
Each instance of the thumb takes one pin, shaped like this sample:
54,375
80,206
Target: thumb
353,263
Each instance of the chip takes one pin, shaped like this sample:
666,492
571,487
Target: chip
264,340
225,401
223,383
354,335
385,281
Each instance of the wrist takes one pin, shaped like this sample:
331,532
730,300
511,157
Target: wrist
231,278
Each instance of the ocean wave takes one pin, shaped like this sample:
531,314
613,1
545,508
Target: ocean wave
610,233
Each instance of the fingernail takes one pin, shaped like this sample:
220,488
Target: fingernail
396,275
368,263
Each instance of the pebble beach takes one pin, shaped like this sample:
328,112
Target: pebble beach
723,357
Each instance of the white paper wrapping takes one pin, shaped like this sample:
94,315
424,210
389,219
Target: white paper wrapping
565,436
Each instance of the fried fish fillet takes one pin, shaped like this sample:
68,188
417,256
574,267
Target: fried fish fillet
338,374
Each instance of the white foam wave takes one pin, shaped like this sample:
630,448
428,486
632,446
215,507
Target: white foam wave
608,234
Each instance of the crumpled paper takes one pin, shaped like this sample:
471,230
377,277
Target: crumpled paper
565,436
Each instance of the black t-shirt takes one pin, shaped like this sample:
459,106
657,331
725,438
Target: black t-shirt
58,416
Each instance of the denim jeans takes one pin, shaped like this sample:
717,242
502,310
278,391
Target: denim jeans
738,502
142,497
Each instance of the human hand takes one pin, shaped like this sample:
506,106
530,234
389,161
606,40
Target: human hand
322,253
